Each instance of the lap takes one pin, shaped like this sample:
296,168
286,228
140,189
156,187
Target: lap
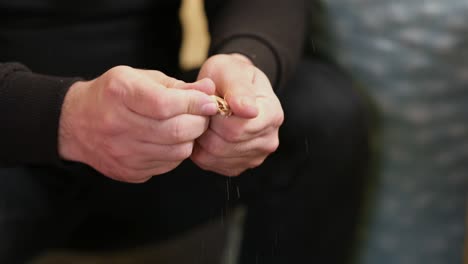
38,208
310,205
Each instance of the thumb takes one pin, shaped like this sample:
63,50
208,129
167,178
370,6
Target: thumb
242,98
234,77
149,98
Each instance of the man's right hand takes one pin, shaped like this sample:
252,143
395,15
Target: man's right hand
132,124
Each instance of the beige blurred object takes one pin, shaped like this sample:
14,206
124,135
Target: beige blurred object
195,34
195,43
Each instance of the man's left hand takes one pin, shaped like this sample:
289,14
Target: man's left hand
243,140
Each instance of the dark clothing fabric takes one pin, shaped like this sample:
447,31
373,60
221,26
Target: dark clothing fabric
296,211
86,38
302,203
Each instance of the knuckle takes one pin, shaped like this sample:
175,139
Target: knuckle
167,168
177,83
202,159
122,173
101,163
213,65
142,179
272,146
253,163
279,119
233,135
110,124
158,75
133,176
119,71
172,82
128,174
115,86
219,59
161,107
200,162
214,147
119,171
184,151
223,59
233,172
178,133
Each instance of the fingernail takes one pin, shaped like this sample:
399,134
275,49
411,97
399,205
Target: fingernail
209,109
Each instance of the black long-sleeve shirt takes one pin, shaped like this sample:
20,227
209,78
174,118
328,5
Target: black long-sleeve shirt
57,40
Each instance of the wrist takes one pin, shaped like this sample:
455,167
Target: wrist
67,148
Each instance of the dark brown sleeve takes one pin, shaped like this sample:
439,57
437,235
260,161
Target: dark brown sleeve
270,32
30,107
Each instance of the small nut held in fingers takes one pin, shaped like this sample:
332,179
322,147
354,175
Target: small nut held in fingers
223,107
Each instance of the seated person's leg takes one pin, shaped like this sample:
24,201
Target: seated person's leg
307,206
125,215
38,209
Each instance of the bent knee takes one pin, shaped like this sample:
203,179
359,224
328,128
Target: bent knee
322,103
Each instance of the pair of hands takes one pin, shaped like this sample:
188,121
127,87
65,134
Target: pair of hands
132,124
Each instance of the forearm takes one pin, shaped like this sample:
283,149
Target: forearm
269,32
30,107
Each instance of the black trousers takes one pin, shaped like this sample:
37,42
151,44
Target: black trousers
302,203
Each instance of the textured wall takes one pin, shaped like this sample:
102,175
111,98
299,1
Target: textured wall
412,57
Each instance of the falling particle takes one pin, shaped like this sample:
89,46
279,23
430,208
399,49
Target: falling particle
227,189
222,216
313,46
238,192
